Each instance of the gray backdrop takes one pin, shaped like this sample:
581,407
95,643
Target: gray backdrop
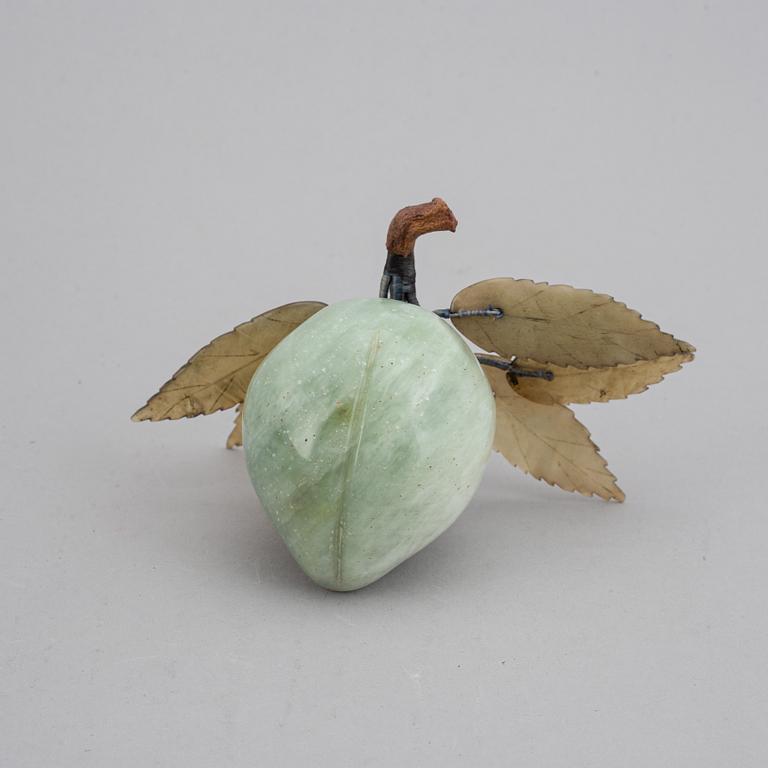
170,169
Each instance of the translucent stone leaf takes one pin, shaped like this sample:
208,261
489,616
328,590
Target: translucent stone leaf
548,442
235,438
560,325
597,385
217,377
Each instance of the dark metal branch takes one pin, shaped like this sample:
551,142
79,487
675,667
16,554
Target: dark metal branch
489,311
513,370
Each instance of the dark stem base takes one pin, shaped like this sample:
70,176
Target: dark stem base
398,281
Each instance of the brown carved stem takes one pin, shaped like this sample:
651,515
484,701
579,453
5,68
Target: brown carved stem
415,220
399,278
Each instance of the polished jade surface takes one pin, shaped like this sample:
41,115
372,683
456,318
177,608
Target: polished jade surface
366,432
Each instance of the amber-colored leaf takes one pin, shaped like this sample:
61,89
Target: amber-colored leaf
217,377
548,442
597,385
235,438
560,325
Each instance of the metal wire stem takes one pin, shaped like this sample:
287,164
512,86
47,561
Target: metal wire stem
513,370
489,311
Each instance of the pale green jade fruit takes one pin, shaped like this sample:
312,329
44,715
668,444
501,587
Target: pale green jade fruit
366,432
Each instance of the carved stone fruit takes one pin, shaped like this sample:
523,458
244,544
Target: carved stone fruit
366,431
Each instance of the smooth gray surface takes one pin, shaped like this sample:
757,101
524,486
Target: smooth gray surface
170,169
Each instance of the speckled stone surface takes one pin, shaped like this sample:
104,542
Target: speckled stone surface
366,432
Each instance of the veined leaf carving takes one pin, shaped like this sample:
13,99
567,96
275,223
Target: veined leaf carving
548,442
217,377
235,438
560,325
598,385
